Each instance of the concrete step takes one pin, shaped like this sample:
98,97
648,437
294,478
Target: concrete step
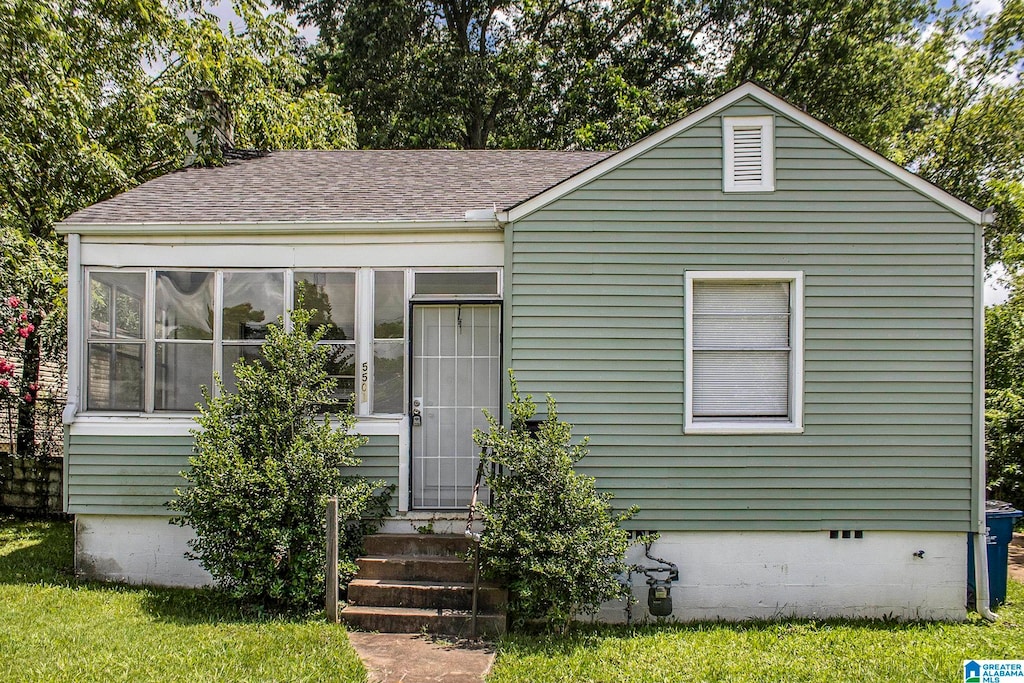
415,568
443,545
413,620
426,594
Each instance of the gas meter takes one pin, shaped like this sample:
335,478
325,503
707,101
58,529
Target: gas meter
659,584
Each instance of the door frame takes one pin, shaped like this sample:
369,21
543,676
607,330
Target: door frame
475,301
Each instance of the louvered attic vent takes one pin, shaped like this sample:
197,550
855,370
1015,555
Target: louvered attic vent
749,150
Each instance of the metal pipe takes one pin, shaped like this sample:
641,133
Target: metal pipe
475,538
476,588
981,592
332,560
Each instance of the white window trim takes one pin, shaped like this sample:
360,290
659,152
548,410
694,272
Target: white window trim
767,125
795,423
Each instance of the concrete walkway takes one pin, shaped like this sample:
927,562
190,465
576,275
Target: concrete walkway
419,658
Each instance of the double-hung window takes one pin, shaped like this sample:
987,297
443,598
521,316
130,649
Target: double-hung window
744,352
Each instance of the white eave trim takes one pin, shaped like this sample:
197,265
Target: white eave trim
957,206
280,227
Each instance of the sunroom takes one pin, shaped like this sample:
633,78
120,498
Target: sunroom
416,349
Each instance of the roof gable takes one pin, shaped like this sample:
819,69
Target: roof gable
780,106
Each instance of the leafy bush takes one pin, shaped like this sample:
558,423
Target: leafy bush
264,467
548,533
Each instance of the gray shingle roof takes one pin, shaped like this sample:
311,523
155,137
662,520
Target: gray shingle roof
355,185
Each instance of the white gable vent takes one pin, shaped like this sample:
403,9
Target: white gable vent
749,143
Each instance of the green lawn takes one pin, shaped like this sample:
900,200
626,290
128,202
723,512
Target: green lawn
774,651
53,628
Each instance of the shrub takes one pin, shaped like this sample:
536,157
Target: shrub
549,533
265,463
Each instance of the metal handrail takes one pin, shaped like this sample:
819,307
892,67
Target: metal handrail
475,538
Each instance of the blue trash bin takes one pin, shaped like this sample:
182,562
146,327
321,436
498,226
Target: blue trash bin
999,517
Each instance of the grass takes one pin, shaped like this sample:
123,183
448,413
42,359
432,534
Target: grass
767,651
54,628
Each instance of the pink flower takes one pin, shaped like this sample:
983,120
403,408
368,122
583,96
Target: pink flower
1,331
27,330
4,383
23,317
33,387
28,397
13,301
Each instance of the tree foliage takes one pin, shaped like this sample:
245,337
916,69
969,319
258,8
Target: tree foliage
964,127
532,73
264,467
548,532
598,74
844,62
1004,399
96,97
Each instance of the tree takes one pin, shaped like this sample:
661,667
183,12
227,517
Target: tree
847,63
1004,399
83,116
532,73
598,74
965,128
265,464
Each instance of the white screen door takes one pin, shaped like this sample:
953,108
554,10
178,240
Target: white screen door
455,375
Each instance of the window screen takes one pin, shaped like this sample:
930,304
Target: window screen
741,349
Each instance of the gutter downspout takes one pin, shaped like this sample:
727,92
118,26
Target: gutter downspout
981,592
75,332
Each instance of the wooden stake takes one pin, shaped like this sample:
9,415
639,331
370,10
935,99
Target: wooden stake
332,560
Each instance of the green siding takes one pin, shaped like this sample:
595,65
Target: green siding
595,317
136,475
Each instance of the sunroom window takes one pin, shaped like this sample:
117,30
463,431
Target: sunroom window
744,351
389,342
156,336
332,298
251,301
115,341
184,338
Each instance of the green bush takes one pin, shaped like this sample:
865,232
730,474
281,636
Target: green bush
549,533
265,462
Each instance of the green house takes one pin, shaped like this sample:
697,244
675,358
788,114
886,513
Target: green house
771,334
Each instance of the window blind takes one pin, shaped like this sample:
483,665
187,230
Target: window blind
741,349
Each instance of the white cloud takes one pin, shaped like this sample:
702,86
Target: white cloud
987,7
995,289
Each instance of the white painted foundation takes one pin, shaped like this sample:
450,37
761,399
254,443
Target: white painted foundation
733,576
135,549
727,576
